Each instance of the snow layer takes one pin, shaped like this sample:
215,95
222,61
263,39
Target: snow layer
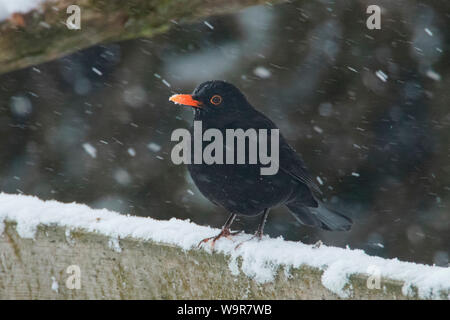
8,7
259,260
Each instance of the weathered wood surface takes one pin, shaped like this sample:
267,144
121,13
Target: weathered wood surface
37,269
42,35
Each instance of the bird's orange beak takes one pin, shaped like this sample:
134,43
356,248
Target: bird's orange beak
186,100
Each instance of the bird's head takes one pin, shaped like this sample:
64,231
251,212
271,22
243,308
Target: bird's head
214,99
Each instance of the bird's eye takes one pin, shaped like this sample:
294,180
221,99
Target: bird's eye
216,100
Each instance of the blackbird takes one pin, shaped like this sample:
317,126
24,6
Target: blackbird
240,188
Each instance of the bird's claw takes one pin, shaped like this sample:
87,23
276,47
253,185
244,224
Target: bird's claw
224,233
258,235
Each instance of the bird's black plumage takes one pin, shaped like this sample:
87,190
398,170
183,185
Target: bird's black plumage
240,188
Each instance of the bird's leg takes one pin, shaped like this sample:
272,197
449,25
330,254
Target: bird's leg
224,233
260,231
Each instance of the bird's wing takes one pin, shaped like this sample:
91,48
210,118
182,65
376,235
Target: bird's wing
292,164
290,161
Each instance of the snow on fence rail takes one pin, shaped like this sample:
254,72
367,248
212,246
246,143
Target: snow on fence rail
52,250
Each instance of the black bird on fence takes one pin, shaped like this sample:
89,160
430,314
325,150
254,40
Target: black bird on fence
241,188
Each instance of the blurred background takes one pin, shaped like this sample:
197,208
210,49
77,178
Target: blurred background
368,110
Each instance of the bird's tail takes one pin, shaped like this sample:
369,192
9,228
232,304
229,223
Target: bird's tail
322,217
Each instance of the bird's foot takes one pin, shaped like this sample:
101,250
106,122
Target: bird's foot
224,233
258,235
318,244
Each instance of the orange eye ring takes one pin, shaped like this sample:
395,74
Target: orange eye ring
216,100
